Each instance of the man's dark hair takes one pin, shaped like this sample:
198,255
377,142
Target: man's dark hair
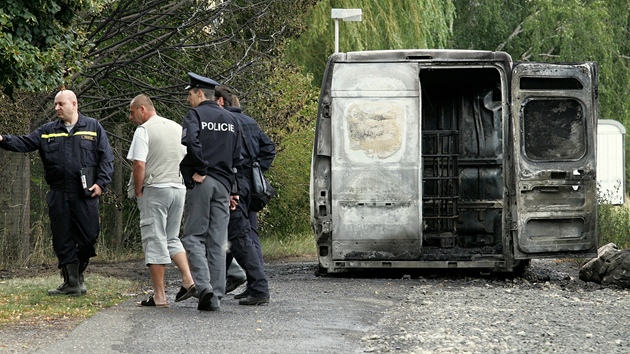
227,94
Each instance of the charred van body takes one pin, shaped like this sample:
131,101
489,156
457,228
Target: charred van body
453,159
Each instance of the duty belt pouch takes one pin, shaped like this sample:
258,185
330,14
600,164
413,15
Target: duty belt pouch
262,190
258,180
87,180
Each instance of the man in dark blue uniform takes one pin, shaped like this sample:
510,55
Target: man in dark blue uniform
213,144
242,245
78,165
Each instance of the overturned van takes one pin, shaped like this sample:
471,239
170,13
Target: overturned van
453,159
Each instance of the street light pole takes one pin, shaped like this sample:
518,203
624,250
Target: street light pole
346,15
336,35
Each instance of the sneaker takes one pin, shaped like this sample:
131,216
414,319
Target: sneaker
233,283
254,300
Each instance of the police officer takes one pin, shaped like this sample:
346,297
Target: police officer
213,144
241,244
78,165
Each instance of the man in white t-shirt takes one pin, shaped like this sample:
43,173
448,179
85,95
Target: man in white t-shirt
157,184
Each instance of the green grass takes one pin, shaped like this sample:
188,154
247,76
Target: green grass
614,224
286,246
26,300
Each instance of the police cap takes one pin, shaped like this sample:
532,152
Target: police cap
200,82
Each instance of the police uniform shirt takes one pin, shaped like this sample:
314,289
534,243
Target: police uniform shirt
213,142
259,143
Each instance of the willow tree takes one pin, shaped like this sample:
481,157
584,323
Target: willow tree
386,24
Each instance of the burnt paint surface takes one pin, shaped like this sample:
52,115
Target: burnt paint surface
416,162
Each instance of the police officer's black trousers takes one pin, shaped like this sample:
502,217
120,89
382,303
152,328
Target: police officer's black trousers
75,226
244,251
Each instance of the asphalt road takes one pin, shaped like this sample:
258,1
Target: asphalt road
306,314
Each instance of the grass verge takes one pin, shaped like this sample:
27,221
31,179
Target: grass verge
286,246
26,300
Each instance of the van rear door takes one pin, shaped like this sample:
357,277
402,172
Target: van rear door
554,130
376,194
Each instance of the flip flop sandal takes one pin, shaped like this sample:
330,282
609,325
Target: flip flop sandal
150,303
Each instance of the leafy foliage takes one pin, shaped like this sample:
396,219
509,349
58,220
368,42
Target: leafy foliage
286,110
614,225
38,44
487,25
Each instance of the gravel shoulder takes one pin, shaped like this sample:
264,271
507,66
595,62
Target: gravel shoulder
547,310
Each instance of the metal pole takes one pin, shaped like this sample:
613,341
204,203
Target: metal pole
336,35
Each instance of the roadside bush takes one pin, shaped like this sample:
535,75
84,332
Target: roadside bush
289,213
286,110
614,224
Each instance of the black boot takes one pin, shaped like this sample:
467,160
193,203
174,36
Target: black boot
70,284
82,266
64,274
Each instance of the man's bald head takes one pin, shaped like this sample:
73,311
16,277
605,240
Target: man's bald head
142,100
66,106
70,95
141,109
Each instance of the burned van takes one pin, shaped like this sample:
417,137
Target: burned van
453,159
